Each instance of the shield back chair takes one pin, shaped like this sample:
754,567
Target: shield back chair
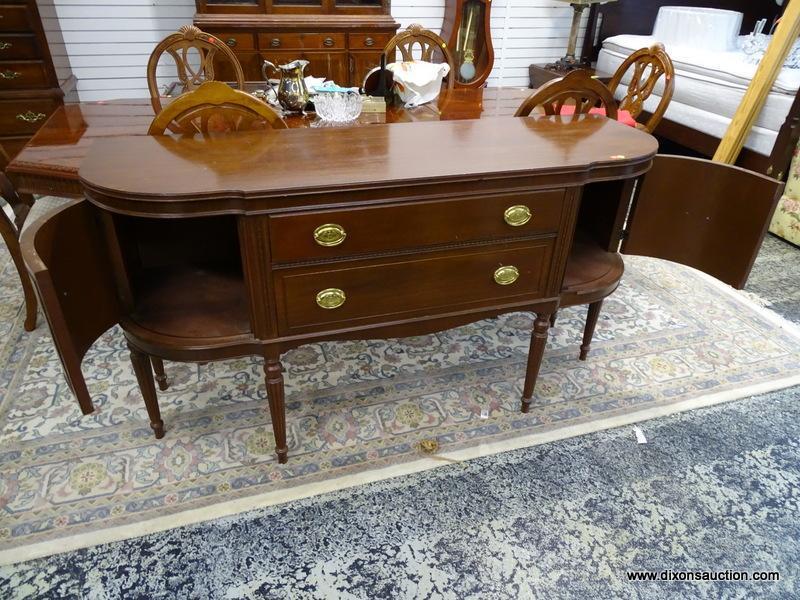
592,273
431,47
215,107
194,53
646,67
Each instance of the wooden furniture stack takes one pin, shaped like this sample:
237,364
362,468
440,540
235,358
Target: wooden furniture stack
31,85
342,39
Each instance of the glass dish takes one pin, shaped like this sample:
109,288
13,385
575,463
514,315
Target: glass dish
339,107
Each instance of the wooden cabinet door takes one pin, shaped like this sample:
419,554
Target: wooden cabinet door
362,63
68,260
707,215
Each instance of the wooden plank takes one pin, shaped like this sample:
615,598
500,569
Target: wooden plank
763,80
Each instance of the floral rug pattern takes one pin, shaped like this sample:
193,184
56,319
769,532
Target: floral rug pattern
667,335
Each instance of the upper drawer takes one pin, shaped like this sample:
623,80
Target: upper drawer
369,41
20,117
363,230
14,17
308,41
18,47
22,75
237,41
331,296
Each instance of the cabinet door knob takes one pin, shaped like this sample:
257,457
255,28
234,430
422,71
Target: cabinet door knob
517,215
329,234
275,43
7,74
369,42
506,275
30,116
231,42
5,45
331,298
327,42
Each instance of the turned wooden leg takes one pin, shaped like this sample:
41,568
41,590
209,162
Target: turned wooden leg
588,331
161,376
144,375
535,354
553,318
273,371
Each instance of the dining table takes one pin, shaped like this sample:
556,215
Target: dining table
49,163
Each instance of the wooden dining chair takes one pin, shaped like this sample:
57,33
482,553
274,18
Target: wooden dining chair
10,230
577,89
592,273
648,65
194,52
431,47
215,107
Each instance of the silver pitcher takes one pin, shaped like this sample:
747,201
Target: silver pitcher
292,91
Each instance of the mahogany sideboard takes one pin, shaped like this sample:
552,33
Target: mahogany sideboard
255,243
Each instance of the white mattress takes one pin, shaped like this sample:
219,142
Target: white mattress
709,87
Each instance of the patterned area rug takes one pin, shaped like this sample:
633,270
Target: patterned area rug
668,340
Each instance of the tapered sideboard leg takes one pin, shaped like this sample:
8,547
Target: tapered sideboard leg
144,375
277,406
538,341
588,330
161,376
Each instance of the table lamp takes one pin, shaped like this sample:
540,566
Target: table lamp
569,62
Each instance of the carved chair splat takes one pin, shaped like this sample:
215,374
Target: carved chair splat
429,45
577,88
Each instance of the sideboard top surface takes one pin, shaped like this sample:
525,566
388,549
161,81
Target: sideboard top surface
281,163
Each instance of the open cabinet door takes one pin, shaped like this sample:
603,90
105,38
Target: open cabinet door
707,215
66,256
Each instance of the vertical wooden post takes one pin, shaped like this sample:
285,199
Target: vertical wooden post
763,80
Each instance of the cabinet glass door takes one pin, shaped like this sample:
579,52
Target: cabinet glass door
370,3
317,3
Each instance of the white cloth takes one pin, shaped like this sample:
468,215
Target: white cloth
418,82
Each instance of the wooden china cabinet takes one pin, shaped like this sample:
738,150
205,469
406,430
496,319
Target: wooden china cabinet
341,39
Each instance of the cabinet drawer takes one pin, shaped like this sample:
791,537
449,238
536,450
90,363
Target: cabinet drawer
401,226
237,41
19,46
20,117
369,41
427,284
14,17
308,41
22,75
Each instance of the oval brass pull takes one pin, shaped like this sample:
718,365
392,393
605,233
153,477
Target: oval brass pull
517,215
31,117
369,42
5,45
9,74
275,43
506,275
231,42
327,42
329,234
331,298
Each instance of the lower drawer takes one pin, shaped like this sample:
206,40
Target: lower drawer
326,297
20,117
22,75
16,46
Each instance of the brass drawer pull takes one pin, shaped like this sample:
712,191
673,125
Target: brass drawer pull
327,42
369,42
275,43
329,234
506,275
517,215
7,74
5,45
231,42
30,116
331,298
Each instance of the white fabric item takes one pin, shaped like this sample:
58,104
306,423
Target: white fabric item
418,82
702,29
